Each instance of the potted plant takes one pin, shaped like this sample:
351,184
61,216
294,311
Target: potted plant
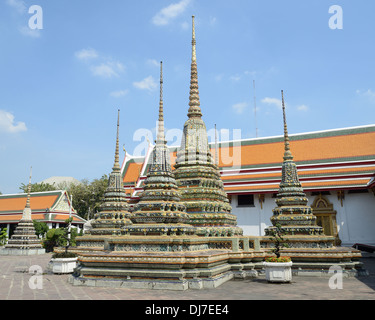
64,262
3,236
278,268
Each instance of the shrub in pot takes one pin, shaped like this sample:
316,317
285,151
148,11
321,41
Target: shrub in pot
278,268
64,262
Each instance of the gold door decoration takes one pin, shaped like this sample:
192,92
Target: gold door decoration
326,217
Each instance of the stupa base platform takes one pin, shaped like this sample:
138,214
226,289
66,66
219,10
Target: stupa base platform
158,279
164,262
326,269
317,255
192,262
21,252
89,243
173,271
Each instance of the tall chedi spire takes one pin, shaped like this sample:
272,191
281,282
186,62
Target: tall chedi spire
159,210
113,212
24,240
197,175
26,215
292,211
194,103
116,166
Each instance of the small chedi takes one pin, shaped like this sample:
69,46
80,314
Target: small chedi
159,210
308,247
113,212
292,211
196,173
24,241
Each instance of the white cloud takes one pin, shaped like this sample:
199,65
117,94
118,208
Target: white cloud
33,33
165,15
103,70
212,21
148,83
19,5
239,107
239,76
153,63
7,123
250,73
278,103
104,67
272,101
22,9
185,25
86,54
107,69
302,107
368,94
118,94
235,78
219,77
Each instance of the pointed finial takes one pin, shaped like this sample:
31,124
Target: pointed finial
160,134
116,166
194,53
29,190
194,103
216,150
161,80
287,154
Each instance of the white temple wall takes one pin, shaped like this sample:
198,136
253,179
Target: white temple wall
254,219
355,219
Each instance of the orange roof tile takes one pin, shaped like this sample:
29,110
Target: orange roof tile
18,203
133,172
345,146
308,185
337,153
65,216
301,173
17,217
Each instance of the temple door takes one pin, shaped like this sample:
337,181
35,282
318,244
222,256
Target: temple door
326,217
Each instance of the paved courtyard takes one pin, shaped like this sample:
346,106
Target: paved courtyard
14,285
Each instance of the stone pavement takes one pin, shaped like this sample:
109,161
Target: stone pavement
14,285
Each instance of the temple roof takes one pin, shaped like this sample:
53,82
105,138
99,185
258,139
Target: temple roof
331,159
46,206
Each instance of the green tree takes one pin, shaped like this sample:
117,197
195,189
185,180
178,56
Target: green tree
38,187
41,228
88,196
3,236
60,237
52,239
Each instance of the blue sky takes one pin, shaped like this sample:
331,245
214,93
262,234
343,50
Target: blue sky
61,86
